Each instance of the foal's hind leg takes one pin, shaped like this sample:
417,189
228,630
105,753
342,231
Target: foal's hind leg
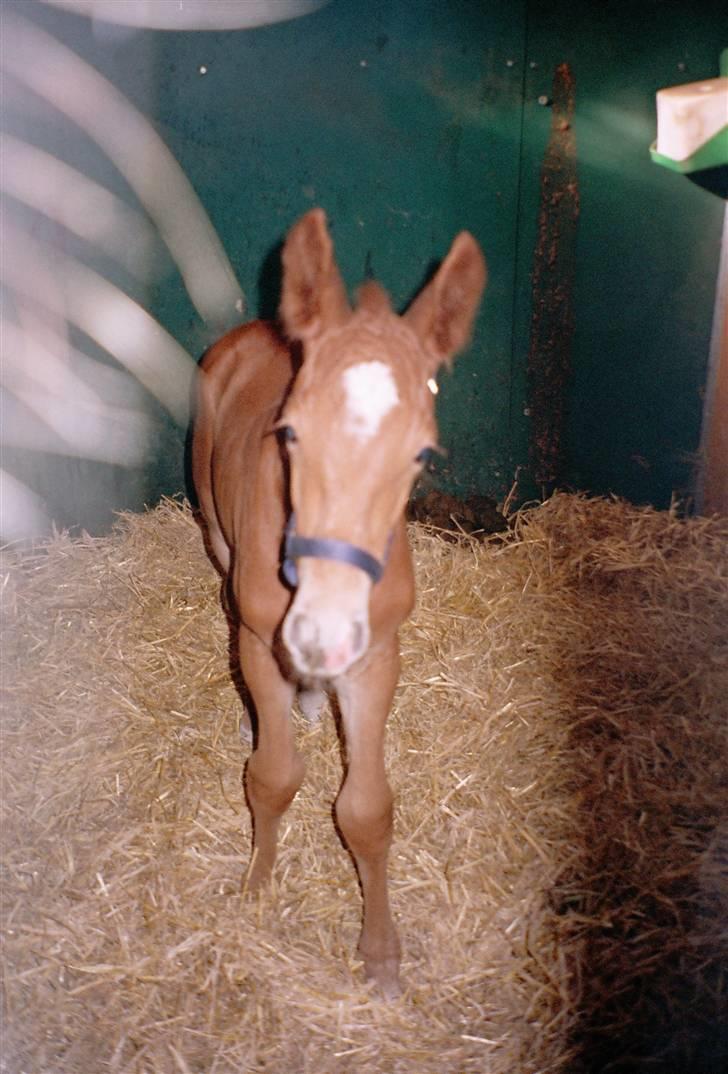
275,769
364,808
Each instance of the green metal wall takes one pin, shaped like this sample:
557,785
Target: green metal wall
647,244
403,121
408,120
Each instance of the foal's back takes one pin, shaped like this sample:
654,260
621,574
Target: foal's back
243,381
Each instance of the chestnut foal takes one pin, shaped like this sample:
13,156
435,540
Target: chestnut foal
302,476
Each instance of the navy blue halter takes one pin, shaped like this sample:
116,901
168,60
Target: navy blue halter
295,547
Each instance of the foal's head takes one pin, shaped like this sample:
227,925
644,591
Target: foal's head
358,424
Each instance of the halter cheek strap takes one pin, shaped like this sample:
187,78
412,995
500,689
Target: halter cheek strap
295,547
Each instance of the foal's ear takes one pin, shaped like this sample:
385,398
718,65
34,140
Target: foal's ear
442,315
313,296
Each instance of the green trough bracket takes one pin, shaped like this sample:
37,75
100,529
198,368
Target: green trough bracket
712,154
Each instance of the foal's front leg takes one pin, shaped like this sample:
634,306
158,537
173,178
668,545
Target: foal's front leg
275,769
364,806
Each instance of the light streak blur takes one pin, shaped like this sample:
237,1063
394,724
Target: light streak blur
62,193
103,312
23,513
70,85
80,356
191,14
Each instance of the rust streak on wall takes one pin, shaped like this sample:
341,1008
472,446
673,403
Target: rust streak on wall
552,281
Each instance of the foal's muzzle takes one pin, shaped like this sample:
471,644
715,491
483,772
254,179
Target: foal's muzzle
327,626
323,646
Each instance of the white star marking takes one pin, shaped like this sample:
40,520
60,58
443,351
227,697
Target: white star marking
370,393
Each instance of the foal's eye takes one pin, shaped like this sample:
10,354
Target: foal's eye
287,434
425,456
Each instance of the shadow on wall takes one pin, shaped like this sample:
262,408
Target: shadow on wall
269,283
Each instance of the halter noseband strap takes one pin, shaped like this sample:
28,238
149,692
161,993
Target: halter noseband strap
326,548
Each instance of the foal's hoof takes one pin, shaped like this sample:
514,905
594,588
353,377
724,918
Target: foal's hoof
385,975
257,877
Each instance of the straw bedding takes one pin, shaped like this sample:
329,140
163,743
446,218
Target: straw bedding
560,865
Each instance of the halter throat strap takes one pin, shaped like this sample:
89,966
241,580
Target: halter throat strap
295,547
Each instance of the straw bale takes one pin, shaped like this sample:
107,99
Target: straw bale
560,865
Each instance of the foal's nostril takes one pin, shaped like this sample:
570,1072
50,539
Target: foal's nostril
303,631
303,642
